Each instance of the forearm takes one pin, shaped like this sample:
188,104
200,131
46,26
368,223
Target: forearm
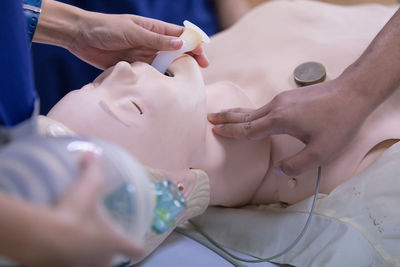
376,74
57,23
230,11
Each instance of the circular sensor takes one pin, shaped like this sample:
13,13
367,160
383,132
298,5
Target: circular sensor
309,73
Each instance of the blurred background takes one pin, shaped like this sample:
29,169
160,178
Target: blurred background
340,2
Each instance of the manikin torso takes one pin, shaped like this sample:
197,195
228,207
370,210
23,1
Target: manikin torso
162,120
260,53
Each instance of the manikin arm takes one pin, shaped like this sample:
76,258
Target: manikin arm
324,116
230,11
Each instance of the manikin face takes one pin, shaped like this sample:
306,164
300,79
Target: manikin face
142,110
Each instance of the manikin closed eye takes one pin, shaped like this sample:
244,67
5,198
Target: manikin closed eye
137,106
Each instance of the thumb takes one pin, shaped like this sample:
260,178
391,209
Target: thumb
158,41
305,159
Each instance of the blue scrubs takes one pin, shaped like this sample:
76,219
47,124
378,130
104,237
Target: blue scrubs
17,94
57,71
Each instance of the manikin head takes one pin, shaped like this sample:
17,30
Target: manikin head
137,107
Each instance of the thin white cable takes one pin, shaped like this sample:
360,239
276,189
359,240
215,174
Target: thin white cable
258,260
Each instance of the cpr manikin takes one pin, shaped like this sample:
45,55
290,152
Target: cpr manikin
162,121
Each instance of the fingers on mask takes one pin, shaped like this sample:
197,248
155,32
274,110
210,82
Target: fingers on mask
155,40
202,60
158,26
199,55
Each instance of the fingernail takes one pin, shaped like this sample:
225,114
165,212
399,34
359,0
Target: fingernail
212,115
219,126
176,43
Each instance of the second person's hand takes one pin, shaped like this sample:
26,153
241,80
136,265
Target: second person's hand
325,117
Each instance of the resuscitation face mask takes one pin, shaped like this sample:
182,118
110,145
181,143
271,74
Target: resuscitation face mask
40,169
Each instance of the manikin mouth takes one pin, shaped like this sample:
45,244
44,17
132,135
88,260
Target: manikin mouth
169,73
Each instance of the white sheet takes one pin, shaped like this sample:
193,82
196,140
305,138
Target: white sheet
357,224
180,251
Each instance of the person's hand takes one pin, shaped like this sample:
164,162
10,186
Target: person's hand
84,235
103,40
325,117
91,238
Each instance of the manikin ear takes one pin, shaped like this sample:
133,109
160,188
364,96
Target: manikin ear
197,200
185,180
196,189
